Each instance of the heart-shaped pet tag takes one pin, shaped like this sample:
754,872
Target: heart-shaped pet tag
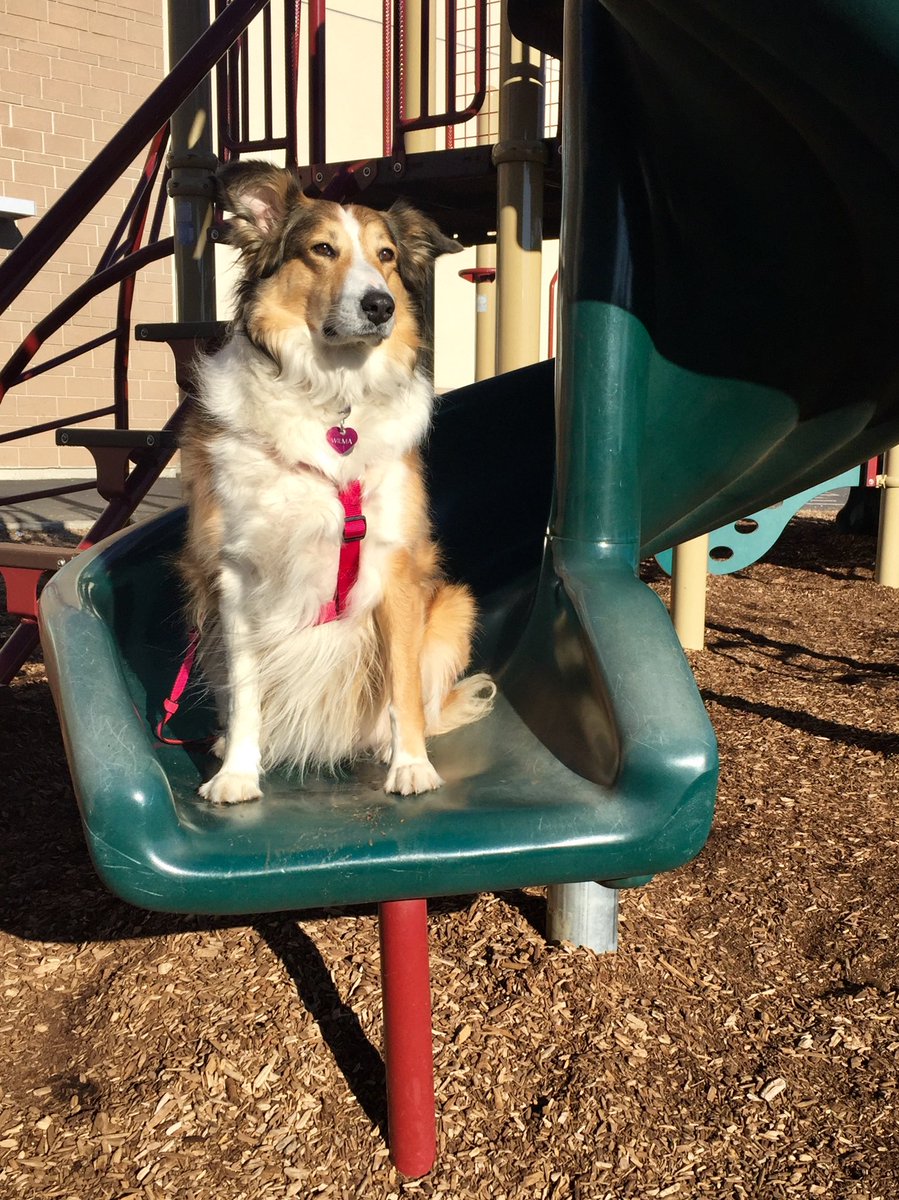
342,440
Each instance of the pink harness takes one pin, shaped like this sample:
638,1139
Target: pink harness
354,530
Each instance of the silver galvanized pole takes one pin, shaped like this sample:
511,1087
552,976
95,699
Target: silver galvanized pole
583,913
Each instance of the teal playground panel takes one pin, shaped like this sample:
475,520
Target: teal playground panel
739,544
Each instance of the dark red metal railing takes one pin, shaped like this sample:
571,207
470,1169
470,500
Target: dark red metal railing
395,76
225,44
135,243
239,96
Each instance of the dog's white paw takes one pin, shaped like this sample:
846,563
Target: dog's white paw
231,787
412,777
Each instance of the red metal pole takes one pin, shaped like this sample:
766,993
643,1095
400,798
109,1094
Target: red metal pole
408,1049
553,284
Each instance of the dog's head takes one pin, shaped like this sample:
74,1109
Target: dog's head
350,275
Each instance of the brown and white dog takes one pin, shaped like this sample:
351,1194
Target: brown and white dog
319,391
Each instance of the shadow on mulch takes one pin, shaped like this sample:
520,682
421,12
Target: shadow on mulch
837,555
742,1043
49,893
886,744
786,652
354,1056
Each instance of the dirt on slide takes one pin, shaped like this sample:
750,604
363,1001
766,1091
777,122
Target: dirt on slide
742,1043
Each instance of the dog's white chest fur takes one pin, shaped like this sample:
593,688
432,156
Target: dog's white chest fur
278,479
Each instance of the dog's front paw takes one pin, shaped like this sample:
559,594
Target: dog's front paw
231,787
412,777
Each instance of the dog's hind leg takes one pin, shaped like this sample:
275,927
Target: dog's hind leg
427,646
238,778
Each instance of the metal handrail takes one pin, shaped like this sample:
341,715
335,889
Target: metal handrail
451,115
66,214
124,255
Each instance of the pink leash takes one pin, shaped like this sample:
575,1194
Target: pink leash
173,702
354,530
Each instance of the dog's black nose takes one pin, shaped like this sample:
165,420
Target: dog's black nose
377,306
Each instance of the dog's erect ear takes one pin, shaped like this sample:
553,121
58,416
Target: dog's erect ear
259,195
419,241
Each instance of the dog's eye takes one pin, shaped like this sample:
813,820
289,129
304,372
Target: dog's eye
387,255
324,250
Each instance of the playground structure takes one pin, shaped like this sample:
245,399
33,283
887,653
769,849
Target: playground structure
599,763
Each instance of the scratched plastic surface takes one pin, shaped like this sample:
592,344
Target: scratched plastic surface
510,812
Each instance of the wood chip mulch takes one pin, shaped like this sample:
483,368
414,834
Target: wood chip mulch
742,1043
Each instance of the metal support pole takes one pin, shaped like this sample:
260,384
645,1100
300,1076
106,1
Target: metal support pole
419,84
485,294
520,157
583,913
484,274
485,314
192,164
688,590
886,568
408,1045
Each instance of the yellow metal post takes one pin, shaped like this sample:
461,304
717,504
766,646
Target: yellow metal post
420,55
485,286
485,319
688,591
520,157
886,568
485,315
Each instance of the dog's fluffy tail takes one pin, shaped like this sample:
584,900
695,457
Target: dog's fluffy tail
469,699
449,700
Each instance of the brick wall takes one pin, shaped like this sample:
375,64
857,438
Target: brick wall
70,74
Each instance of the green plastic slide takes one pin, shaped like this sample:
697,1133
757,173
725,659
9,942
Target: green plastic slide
729,289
